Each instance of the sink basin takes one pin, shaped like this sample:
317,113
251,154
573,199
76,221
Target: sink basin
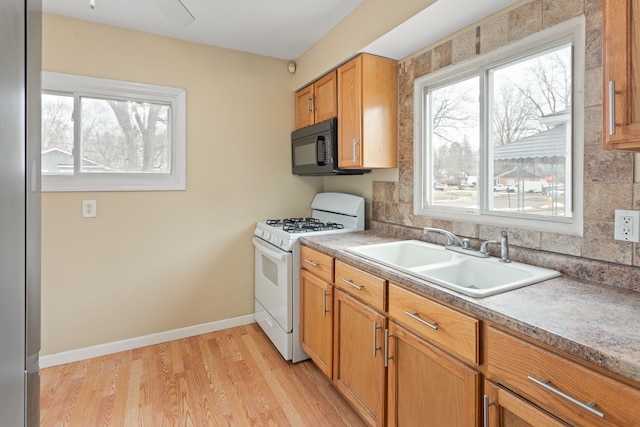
404,253
467,274
481,277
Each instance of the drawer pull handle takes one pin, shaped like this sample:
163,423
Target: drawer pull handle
375,339
487,403
350,283
586,406
386,348
612,107
416,316
325,294
308,261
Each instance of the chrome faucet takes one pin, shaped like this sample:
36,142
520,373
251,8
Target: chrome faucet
504,247
452,239
454,243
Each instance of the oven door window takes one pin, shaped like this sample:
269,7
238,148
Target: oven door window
269,270
274,281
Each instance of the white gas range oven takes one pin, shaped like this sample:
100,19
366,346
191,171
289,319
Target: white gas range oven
277,265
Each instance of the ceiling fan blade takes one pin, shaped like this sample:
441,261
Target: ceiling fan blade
175,11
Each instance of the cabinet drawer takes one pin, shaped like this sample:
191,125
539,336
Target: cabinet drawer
319,264
366,287
570,391
436,323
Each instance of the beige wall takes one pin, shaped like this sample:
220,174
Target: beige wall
156,261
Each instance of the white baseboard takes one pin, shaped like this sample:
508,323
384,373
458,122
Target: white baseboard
55,359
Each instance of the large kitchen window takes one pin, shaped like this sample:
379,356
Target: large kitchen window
499,137
107,135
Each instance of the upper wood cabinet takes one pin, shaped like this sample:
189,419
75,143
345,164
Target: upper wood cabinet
317,102
368,113
621,74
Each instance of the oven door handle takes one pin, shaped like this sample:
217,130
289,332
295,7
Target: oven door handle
278,254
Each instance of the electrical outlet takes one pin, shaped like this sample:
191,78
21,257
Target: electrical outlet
89,209
627,226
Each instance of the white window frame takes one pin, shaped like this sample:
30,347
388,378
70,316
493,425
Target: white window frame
74,85
571,30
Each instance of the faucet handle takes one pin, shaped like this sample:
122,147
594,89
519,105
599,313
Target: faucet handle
484,247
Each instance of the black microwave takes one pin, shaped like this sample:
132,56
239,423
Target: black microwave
314,151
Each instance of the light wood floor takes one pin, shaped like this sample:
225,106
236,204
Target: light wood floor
233,377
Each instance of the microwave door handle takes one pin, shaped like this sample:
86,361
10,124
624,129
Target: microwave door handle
321,151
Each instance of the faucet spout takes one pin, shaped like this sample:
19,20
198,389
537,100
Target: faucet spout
452,239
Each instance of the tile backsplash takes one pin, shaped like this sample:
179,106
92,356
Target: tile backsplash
608,175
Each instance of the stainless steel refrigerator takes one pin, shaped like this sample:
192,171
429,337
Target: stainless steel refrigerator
20,65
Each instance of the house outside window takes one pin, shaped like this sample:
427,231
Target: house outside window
107,135
499,137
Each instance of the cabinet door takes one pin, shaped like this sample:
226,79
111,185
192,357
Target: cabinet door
325,103
358,361
505,409
428,387
304,107
316,320
621,74
350,114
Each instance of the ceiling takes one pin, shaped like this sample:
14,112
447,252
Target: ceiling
282,29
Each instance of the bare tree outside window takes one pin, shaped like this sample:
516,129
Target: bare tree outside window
527,109
454,114
125,136
111,135
115,135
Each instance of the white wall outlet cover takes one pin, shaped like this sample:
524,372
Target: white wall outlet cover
627,225
89,209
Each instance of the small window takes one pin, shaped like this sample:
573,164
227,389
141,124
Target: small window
500,135
106,135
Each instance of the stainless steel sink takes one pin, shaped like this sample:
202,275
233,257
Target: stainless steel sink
476,277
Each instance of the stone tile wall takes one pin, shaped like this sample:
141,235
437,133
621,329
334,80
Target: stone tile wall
608,175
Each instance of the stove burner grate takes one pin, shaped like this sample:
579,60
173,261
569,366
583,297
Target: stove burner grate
303,225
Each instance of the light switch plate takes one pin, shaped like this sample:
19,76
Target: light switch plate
627,225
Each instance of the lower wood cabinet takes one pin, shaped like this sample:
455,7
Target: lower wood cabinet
505,409
402,359
358,362
316,322
572,392
427,387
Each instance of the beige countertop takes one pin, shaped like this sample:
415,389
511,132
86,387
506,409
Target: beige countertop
591,321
